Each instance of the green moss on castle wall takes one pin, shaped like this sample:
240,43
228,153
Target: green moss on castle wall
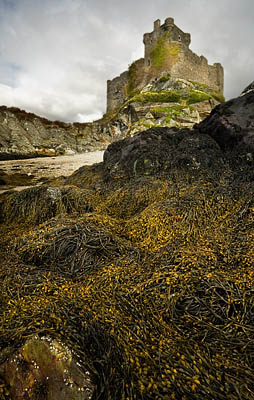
163,50
132,72
164,78
135,77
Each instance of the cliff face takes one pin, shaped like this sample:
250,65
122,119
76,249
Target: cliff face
25,135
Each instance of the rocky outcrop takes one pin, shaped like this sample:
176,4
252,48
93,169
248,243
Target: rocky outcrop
160,151
25,135
225,139
231,124
248,88
164,102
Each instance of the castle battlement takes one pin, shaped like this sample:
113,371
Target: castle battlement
166,52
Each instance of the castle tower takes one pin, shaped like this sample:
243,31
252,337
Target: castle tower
166,52
166,34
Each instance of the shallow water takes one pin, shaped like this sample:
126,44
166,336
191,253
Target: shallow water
44,168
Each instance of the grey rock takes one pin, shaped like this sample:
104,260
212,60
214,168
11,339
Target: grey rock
25,135
231,124
248,89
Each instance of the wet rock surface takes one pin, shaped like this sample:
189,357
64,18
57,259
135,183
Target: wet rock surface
43,368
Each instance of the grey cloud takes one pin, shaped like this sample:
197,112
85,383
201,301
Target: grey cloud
56,56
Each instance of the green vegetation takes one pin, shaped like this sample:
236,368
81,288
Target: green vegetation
158,97
190,96
168,112
164,78
196,96
209,89
163,50
203,87
135,76
132,71
219,97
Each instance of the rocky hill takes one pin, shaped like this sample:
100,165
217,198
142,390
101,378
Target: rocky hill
163,102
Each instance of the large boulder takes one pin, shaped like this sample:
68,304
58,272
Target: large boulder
231,124
162,150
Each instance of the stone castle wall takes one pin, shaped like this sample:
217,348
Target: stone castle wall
195,68
166,52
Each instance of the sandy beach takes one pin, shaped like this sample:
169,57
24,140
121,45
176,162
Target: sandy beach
48,167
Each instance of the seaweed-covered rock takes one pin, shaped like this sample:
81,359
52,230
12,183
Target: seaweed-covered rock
162,150
147,276
40,203
232,124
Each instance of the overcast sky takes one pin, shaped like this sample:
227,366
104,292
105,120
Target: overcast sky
56,55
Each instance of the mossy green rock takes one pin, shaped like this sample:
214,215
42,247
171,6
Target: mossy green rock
163,102
44,369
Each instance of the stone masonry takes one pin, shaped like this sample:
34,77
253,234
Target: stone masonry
166,52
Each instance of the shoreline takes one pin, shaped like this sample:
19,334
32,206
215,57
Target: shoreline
33,171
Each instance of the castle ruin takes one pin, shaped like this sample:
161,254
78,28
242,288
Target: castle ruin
167,52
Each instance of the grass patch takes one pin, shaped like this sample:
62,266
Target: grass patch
196,96
209,89
219,97
164,78
158,97
166,110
